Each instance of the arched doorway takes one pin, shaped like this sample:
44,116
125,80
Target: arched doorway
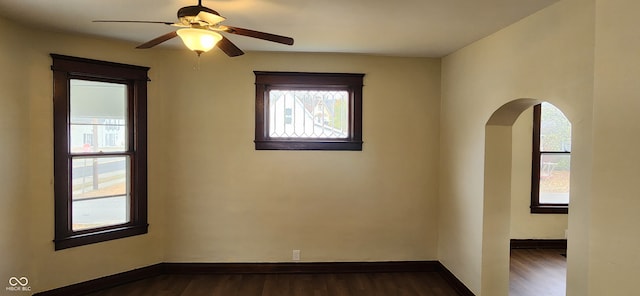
497,195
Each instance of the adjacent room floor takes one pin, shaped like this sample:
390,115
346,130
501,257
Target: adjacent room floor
537,272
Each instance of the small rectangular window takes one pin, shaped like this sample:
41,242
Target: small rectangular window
308,111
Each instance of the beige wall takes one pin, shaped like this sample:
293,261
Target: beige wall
232,203
26,173
615,243
14,126
525,225
547,56
581,56
212,197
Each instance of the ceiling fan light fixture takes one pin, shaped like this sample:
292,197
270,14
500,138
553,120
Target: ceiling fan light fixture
201,31
199,40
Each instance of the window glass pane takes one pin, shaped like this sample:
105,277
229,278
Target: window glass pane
555,129
98,116
100,191
308,114
554,178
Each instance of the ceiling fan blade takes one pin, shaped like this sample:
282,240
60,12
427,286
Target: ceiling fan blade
141,22
257,34
229,48
210,18
158,40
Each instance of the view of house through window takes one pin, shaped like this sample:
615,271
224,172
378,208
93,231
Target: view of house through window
308,111
308,114
552,157
100,185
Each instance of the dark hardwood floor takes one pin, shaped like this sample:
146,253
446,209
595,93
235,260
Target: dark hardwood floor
536,272
340,284
533,272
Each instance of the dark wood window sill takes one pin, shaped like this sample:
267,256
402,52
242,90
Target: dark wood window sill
549,209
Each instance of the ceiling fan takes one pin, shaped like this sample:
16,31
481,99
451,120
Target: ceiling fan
200,31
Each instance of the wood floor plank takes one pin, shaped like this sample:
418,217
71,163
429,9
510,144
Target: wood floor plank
251,284
535,272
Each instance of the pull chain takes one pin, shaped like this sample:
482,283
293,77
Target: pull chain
196,66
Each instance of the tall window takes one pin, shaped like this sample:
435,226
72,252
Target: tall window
308,111
551,166
100,158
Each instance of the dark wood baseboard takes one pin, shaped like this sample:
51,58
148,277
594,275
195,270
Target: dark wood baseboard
302,267
454,281
105,282
258,268
539,244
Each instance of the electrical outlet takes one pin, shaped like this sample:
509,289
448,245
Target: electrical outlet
296,255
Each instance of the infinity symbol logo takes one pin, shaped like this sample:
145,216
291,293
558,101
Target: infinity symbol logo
14,281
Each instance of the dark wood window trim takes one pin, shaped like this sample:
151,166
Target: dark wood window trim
266,81
135,77
536,206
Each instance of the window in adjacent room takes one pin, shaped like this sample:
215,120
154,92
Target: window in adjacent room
551,160
100,159
308,111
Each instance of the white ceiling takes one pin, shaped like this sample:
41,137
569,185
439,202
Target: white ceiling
415,28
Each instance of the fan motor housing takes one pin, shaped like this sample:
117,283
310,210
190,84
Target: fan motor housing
192,11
